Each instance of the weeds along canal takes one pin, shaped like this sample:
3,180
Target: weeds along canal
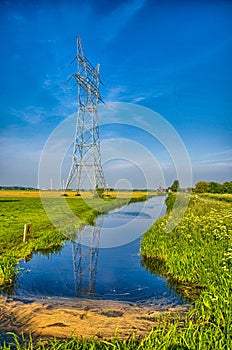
102,263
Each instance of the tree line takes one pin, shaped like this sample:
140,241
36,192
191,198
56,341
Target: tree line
204,187
213,187
17,188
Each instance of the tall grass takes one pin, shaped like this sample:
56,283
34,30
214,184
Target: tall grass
166,336
199,252
225,197
7,269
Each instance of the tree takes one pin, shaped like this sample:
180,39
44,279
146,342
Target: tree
99,191
227,187
214,187
175,186
202,187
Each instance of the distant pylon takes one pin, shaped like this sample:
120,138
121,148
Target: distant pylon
86,159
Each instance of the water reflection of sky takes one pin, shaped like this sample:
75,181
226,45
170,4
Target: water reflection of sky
105,273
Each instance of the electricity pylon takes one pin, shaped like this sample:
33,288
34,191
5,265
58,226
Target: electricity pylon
86,159
85,260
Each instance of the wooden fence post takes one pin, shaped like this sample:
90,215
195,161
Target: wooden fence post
27,231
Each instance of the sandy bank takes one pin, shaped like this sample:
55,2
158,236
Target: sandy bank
63,318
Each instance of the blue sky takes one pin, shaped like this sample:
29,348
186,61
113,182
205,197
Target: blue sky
173,57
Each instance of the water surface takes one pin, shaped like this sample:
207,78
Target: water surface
101,269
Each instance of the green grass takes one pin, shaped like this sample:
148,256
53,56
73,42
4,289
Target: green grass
167,336
225,197
7,269
198,253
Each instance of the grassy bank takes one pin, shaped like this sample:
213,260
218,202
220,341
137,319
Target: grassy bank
197,254
21,207
220,197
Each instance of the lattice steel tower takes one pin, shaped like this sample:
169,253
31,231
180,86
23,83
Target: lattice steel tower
85,259
86,159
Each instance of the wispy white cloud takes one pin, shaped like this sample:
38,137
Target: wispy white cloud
31,114
47,82
138,99
215,162
225,152
124,94
125,12
63,104
215,159
116,94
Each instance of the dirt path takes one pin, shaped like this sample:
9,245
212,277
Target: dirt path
87,318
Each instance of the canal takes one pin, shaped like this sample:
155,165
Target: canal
102,263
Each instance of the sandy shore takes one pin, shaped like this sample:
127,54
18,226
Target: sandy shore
64,318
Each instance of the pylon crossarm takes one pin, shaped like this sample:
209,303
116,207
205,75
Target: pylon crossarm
86,158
